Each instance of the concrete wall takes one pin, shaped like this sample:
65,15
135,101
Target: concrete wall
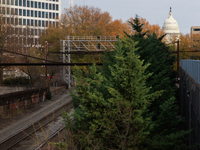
58,90
21,103
9,89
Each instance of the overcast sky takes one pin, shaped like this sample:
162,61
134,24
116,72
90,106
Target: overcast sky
186,12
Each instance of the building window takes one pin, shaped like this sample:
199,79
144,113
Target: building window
16,11
57,16
35,4
12,22
16,21
56,0
4,10
50,15
24,21
39,23
8,11
20,21
31,13
8,20
46,5
42,23
20,2
46,23
57,7
42,5
39,14
196,29
12,2
24,12
31,22
32,4
35,13
12,11
28,22
28,14
49,6
39,4
42,14
28,3
46,15
53,6
24,3
36,23
20,12
8,2
4,2
53,15
16,2
35,31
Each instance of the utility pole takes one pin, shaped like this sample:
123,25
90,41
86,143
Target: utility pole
177,60
46,53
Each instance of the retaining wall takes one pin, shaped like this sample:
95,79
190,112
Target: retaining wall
58,90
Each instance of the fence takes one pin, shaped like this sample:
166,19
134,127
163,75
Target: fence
192,67
189,99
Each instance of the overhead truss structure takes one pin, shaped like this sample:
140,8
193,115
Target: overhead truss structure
83,44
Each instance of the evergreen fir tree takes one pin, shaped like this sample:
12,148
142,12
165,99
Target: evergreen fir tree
112,100
165,133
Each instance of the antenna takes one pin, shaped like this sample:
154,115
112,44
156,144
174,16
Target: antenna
70,3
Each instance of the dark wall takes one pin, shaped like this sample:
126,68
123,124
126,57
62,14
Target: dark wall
190,106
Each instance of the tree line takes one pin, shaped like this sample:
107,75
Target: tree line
129,102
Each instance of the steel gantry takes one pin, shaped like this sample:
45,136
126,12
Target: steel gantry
83,44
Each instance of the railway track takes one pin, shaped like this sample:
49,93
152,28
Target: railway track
19,136
55,134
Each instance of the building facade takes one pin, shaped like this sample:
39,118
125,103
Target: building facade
29,18
194,33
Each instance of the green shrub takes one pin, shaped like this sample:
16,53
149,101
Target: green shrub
17,81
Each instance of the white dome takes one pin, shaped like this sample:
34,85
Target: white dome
170,25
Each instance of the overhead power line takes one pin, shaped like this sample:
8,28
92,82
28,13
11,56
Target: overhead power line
49,64
27,55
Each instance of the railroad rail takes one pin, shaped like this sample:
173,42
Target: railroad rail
19,136
56,133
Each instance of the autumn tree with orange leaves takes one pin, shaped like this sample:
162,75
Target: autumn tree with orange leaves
83,21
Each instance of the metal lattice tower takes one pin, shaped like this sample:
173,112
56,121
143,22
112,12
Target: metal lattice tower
83,44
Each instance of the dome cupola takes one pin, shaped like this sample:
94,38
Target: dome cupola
170,25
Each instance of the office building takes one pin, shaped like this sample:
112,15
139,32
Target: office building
29,18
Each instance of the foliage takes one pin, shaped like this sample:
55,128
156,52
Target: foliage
111,102
48,95
165,133
34,72
146,27
83,21
17,81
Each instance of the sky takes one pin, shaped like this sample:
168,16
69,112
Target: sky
185,12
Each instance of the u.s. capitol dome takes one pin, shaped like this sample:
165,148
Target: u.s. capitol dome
171,27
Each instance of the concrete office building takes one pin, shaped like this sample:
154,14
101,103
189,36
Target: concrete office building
29,18
195,30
